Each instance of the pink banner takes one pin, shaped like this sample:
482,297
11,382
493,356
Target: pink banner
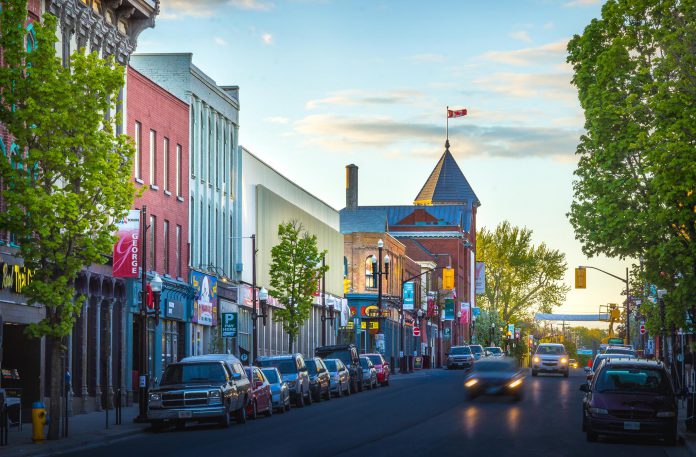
127,251
464,320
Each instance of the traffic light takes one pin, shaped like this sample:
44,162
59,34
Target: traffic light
448,278
580,278
346,286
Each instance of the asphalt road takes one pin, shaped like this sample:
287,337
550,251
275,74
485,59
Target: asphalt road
423,414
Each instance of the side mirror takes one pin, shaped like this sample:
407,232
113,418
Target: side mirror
236,376
587,369
584,388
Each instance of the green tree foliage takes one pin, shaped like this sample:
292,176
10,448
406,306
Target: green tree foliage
521,278
295,271
635,193
67,179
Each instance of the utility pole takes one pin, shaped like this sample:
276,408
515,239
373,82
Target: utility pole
144,377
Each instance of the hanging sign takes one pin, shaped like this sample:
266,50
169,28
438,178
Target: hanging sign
126,260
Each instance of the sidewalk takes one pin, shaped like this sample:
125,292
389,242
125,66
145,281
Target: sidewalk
85,430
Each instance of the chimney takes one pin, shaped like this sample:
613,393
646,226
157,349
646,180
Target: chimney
351,186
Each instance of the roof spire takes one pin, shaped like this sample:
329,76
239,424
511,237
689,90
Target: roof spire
447,185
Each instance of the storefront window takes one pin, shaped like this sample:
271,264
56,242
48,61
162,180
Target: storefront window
170,342
151,347
244,329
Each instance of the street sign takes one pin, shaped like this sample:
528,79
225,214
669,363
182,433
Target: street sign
642,329
229,325
416,331
447,332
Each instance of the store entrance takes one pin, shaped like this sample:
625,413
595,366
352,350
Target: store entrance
21,368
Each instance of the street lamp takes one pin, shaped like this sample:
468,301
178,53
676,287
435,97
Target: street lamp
323,300
156,287
263,298
380,273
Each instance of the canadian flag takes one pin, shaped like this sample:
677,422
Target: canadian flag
456,112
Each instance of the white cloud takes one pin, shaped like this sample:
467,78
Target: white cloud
277,120
267,38
426,58
360,97
254,5
521,35
581,3
550,25
547,53
546,86
178,9
220,41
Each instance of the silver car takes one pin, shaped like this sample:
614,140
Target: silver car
550,358
340,377
369,373
280,394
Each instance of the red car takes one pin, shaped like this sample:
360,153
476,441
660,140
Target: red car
260,397
382,367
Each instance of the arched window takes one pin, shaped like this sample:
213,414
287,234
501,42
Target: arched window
15,158
370,273
31,38
345,267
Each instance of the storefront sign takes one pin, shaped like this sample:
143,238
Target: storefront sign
14,278
174,310
449,309
409,296
228,318
126,250
205,301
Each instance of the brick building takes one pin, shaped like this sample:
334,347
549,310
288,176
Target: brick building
158,121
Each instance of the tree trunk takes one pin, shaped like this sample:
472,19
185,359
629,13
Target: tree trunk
55,377
291,341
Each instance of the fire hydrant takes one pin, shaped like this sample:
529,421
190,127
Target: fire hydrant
38,421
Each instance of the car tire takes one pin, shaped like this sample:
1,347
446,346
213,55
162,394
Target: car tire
534,373
254,411
286,406
348,391
361,385
308,399
591,435
339,391
226,421
328,393
240,415
300,400
565,374
584,422
269,412
157,426
317,397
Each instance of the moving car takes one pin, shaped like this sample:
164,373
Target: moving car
460,356
340,377
495,376
630,397
493,351
260,398
319,379
294,372
382,368
477,350
280,394
369,372
572,363
348,354
204,388
550,358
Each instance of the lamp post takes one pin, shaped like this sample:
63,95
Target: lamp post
263,298
380,273
156,287
323,301
420,313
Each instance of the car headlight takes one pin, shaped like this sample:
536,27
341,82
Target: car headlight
336,378
214,397
471,382
665,414
155,397
515,383
537,359
564,360
598,411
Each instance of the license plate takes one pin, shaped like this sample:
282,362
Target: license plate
492,390
184,414
631,425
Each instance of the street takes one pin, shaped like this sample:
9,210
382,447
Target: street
419,414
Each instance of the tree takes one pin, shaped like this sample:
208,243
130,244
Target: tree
66,179
635,193
295,271
520,277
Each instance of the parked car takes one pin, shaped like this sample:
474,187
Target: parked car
599,359
369,373
495,376
382,367
280,394
493,351
261,397
630,397
348,354
623,350
550,358
211,387
460,356
476,350
340,377
294,372
319,379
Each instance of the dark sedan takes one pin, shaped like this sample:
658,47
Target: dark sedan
630,397
499,376
319,379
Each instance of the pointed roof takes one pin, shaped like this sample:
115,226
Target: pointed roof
447,184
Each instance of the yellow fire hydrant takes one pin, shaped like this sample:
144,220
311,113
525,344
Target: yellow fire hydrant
38,421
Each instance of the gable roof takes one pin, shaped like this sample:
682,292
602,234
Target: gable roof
379,219
447,184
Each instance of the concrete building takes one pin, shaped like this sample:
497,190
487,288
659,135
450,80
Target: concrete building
214,185
269,199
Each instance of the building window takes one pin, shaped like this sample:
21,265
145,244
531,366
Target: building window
178,170
153,157
345,267
370,273
172,336
165,242
193,147
138,151
165,163
153,240
217,229
201,214
178,251
210,232
211,151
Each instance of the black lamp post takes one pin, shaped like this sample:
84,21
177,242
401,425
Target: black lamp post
323,301
380,273
263,298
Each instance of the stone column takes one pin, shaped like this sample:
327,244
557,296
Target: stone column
69,368
108,351
84,391
97,354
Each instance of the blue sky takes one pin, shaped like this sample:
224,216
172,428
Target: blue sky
325,83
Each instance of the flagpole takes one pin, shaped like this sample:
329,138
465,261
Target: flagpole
447,123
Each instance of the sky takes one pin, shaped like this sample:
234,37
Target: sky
326,83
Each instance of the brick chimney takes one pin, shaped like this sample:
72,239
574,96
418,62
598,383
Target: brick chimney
351,186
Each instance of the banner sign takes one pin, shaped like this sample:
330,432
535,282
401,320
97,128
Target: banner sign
449,309
228,317
431,305
464,320
480,278
205,301
126,259
409,298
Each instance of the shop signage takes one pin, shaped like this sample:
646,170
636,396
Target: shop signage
175,310
449,309
409,298
126,259
205,301
228,318
14,277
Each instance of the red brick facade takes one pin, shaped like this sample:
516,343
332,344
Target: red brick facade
162,116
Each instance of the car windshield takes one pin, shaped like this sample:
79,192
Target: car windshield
331,365
193,373
601,357
364,362
377,360
489,366
550,350
494,350
620,351
312,367
460,350
272,376
285,366
476,349
344,356
632,380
